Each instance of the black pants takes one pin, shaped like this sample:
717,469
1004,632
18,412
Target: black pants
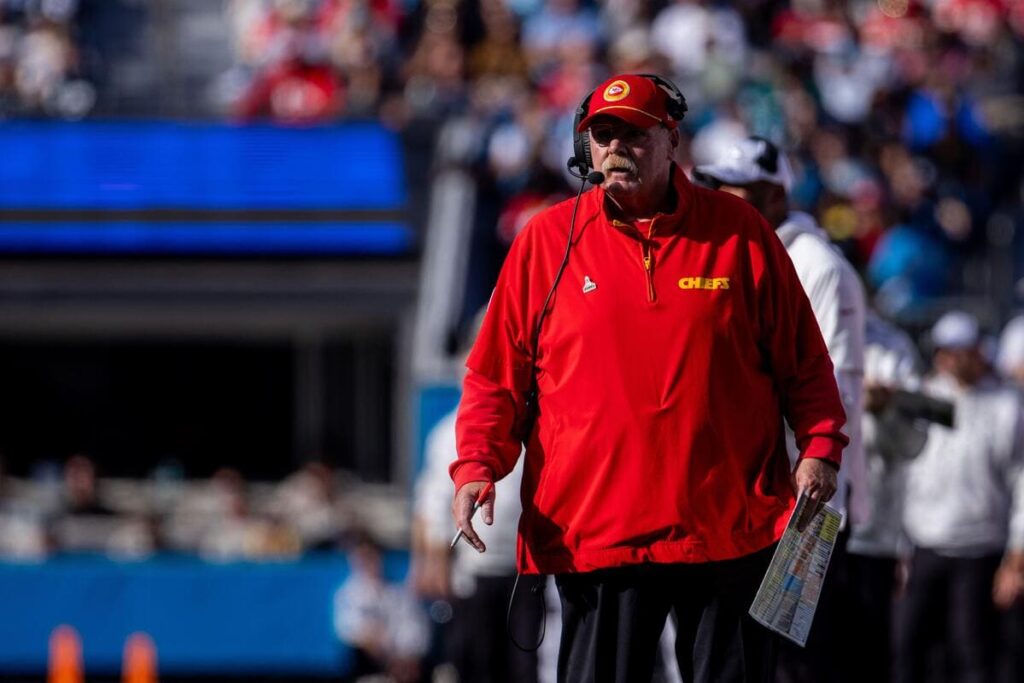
612,620
872,581
481,650
948,628
1012,667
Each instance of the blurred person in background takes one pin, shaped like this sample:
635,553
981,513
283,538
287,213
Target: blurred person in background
238,532
40,61
198,510
381,622
964,515
758,172
877,543
86,523
81,488
22,528
558,23
499,52
1010,358
82,520
308,502
652,329
1010,364
295,83
479,585
705,44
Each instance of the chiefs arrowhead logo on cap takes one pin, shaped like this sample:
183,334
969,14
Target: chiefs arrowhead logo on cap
617,90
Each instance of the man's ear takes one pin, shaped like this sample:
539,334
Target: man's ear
673,138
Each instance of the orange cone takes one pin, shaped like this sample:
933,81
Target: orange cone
139,659
65,656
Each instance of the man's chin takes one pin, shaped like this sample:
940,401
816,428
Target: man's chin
620,186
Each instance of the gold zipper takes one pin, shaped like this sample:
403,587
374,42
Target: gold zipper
648,257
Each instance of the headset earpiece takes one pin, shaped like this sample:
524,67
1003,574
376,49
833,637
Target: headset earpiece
581,161
676,104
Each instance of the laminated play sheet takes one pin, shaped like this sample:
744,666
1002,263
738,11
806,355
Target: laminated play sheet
789,592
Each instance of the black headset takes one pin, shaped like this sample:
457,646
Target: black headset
581,162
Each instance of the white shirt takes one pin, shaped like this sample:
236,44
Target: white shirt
965,491
369,607
837,297
432,502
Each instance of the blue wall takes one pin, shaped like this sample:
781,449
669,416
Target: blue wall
204,618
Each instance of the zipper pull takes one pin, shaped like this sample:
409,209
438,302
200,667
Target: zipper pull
647,263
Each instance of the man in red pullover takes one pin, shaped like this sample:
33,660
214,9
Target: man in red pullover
677,340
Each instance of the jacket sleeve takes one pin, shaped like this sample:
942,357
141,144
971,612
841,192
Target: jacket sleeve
798,358
494,390
838,307
488,415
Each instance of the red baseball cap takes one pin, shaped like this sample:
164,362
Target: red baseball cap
634,99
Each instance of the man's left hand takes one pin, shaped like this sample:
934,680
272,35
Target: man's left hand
816,478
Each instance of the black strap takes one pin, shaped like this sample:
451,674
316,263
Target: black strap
538,590
530,415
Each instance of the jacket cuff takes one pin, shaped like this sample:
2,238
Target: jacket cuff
824,448
471,471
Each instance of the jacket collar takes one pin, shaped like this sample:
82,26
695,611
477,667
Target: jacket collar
662,223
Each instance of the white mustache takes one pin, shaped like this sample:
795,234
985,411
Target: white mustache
618,162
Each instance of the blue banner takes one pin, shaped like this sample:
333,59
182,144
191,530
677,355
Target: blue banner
159,165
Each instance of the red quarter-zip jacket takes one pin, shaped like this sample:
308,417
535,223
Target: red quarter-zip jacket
666,364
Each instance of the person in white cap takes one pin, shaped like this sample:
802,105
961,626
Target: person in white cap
1010,358
756,170
964,514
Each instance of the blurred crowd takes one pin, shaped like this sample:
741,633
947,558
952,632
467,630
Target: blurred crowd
70,509
904,118
41,62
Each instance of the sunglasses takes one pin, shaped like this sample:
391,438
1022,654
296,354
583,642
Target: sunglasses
603,134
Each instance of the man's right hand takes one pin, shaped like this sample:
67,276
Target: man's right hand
462,510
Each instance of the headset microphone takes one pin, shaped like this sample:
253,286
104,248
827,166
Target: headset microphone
579,170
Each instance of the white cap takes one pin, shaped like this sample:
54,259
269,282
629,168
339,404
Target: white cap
749,161
956,330
1011,346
